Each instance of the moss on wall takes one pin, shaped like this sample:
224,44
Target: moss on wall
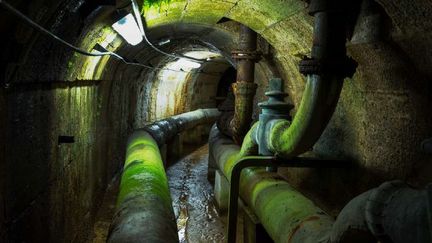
379,121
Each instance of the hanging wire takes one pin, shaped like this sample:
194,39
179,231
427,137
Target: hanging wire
143,32
79,50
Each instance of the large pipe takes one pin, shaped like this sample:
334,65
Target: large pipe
321,94
144,210
164,130
286,214
244,88
392,212
144,207
385,213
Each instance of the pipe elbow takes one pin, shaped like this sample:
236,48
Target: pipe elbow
278,138
250,143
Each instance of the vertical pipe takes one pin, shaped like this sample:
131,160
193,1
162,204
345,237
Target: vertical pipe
322,88
245,88
247,44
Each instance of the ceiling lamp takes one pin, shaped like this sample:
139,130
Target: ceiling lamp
128,28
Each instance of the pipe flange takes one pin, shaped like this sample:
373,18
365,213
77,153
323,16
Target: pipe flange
248,55
345,67
244,88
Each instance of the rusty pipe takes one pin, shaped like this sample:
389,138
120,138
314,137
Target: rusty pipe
163,130
245,54
244,89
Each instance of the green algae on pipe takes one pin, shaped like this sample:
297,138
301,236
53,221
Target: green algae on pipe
285,213
144,206
289,139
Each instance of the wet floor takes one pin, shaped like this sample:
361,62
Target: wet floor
192,195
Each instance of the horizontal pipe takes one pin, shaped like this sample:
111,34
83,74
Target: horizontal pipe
286,214
385,213
392,212
144,207
164,130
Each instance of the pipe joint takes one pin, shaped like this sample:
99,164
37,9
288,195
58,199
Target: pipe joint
273,110
244,89
244,95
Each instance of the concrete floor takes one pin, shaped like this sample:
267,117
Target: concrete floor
105,213
192,195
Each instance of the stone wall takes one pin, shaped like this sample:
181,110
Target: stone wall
50,191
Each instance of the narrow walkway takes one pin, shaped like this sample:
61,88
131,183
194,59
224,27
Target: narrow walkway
105,213
192,195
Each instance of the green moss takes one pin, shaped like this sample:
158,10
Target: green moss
150,3
144,172
265,13
206,11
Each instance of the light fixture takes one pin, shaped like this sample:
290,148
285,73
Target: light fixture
128,28
164,42
186,64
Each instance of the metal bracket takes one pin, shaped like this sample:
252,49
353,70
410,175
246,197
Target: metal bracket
266,161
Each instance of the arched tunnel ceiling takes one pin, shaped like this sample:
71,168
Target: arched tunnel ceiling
379,123
285,25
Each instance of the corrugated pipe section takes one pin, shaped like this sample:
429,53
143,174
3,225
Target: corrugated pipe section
144,208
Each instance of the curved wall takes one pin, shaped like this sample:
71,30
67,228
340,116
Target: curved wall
379,123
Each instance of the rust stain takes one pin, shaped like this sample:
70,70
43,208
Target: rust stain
299,226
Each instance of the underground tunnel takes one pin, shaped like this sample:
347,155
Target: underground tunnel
216,121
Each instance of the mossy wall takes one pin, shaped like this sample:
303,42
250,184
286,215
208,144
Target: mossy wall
381,118
52,191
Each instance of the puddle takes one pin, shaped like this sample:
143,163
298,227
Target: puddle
192,194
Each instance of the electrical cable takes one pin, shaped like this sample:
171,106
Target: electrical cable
143,32
47,32
76,49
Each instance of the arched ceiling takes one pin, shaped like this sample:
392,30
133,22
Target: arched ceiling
285,25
